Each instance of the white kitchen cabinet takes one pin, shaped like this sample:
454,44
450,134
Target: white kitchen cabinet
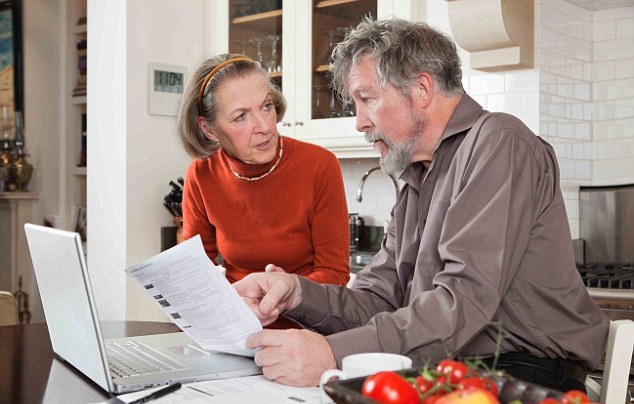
304,28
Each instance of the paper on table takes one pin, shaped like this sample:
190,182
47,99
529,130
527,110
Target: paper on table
194,294
250,389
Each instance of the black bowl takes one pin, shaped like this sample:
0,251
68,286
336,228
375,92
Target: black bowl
349,391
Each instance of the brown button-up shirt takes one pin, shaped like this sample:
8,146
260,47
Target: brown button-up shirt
478,244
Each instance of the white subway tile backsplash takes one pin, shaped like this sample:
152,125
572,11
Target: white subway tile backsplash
587,111
530,103
574,228
522,81
603,70
578,151
625,28
616,171
603,150
603,110
624,68
600,90
603,30
577,111
613,50
583,130
566,169
582,91
622,111
625,149
582,50
572,208
487,84
509,103
613,14
583,170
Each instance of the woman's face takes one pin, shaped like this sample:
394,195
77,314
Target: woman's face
246,119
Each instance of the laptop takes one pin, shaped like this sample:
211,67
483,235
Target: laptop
117,365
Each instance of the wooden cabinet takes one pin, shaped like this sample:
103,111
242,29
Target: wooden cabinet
293,40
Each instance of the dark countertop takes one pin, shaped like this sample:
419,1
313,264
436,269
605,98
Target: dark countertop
359,259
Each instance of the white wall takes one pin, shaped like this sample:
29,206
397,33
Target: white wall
44,76
138,153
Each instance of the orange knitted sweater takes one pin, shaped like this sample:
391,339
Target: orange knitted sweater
295,218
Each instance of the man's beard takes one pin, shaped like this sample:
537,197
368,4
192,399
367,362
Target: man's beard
398,156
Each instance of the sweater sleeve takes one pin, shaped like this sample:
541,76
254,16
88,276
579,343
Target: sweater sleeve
195,219
329,226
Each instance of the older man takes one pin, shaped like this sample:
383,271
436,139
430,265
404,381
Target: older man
478,243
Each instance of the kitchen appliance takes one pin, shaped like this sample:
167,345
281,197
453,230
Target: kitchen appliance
356,230
607,269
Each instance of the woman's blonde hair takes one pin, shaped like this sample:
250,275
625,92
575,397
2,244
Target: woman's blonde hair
194,140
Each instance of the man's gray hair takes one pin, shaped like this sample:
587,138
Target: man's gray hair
402,50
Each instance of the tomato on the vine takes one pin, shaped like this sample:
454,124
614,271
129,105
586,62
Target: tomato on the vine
455,370
472,381
492,386
575,397
423,384
550,401
433,399
389,387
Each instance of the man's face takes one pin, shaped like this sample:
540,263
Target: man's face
387,117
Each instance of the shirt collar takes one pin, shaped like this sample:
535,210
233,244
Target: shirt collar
463,118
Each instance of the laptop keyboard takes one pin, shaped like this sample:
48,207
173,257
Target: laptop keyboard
131,358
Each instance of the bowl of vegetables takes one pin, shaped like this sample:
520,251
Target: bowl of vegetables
450,382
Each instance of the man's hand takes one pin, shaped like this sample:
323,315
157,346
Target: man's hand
269,294
292,357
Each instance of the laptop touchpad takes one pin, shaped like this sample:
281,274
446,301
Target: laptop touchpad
186,350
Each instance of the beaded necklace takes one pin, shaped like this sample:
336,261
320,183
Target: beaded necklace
266,174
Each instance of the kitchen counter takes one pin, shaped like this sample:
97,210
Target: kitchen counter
359,259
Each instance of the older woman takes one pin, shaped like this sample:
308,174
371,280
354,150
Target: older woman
257,199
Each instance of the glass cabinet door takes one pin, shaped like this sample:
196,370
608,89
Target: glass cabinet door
293,39
255,30
331,20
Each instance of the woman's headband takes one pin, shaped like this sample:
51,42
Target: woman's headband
211,74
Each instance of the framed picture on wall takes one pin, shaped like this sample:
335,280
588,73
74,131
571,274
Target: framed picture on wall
11,81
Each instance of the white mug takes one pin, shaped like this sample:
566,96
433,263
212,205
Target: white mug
363,364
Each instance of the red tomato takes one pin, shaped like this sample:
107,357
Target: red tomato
389,387
456,370
423,384
575,397
472,382
441,380
490,385
431,399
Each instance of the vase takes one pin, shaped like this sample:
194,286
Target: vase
20,172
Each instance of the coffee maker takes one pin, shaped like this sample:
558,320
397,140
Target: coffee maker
356,230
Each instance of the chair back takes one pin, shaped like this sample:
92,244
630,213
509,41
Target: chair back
8,309
618,360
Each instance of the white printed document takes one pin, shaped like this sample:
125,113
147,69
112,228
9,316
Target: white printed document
192,291
243,390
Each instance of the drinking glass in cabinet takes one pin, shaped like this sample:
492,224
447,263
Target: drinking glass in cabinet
318,89
258,41
274,63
